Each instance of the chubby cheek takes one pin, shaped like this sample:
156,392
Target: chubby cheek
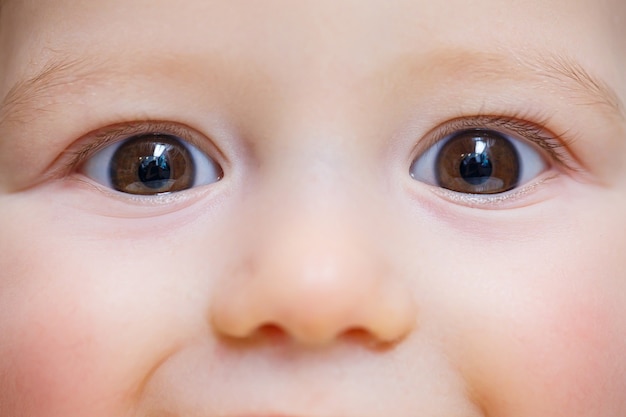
83,321
561,359
52,361
550,339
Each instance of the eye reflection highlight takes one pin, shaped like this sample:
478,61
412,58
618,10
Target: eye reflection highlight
478,161
151,164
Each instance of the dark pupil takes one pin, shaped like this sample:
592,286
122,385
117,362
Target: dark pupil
475,168
478,162
154,171
151,164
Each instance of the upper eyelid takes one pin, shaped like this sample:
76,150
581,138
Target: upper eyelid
109,135
535,132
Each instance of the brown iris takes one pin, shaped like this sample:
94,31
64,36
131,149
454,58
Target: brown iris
478,162
152,164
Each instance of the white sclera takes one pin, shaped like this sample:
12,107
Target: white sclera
532,163
97,167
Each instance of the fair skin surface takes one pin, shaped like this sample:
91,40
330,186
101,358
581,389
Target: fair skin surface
321,275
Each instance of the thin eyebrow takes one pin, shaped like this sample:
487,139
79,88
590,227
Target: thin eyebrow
29,96
16,104
541,69
561,69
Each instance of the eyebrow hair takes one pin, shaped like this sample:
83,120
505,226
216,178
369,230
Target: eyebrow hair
561,68
18,103
558,70
32,93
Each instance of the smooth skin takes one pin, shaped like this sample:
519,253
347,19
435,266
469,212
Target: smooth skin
319,276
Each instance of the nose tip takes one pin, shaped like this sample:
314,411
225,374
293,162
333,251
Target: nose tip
315,286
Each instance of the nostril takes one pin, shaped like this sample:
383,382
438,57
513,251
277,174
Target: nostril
271,331
277,336
357,334
266,334
363,337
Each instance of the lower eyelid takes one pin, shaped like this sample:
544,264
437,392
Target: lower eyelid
510,199
111,203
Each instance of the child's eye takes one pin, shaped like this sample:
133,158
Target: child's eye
150,164
478,161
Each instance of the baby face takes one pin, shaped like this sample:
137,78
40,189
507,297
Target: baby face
312,208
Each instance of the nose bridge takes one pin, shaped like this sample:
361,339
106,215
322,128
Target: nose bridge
320,252
317,269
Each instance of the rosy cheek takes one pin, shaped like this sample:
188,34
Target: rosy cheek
557,350
60,346
573,348
579,345
46,366
52,360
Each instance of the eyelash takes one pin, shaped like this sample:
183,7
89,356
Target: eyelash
525,127
104,137
555,145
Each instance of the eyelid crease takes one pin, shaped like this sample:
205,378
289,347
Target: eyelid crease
519,125
109,135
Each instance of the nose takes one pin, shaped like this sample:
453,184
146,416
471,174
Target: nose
317,277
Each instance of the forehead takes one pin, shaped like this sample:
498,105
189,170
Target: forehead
305,42
274,26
